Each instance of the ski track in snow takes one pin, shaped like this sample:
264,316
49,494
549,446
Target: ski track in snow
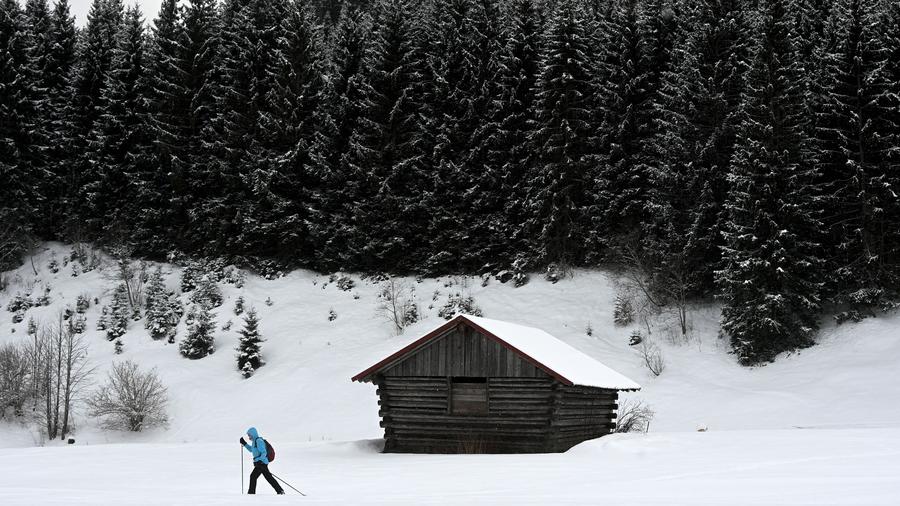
820,426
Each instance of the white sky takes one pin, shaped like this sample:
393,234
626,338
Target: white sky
80,9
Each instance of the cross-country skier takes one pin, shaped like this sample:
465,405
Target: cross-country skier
257,447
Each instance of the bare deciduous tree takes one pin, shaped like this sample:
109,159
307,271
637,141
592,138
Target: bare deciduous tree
397,303
132,274
661,290
59,361
14,379
651,356
131,399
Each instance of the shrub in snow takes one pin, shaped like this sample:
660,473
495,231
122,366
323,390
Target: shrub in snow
44,299
633,416
332,315
118,346
588,329
18,317
118,314
269,301
248,357
75,270
652,357
635,339
200,340
19,303
239,306
207,294
227,326
79,324
554,273
53,266
520,276
458,303
504,276
623,311
345,283
131,399
32,327
82,304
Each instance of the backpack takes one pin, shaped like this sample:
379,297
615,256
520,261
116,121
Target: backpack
270,451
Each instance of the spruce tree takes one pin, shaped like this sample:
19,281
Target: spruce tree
342,109
57,57
116,323
18,170
389,217
200,339
122,138
160,319
858,160
771,271
249,358
502,141
564,138
694,141
463,44
95,61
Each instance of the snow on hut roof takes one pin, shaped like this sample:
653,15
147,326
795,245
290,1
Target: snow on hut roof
558,359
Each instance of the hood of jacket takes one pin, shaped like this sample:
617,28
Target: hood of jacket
252,433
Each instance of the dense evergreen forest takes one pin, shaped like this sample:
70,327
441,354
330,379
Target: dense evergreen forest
744,149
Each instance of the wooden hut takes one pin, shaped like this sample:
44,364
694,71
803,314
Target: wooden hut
475,385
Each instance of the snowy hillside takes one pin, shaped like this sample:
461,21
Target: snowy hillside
303,399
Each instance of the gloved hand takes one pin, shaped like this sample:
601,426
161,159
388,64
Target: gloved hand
242,441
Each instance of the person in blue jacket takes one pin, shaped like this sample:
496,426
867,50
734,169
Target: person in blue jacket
257,448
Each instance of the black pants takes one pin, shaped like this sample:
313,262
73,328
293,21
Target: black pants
262,469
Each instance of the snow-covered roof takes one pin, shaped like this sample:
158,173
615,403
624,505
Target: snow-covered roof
556,358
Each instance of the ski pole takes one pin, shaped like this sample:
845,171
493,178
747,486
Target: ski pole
286,483
242,471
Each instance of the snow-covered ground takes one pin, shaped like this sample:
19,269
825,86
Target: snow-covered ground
818,427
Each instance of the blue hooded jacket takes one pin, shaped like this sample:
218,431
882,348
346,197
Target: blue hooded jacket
257,447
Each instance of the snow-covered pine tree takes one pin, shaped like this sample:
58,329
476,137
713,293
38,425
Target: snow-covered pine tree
53,55
119,315
461,43
200,339
19,173
166,106
288,182
694,141
191,166
770,277
122,139
385,159
156,304
207,293
564,138
97,44
858,161
634,53
330,212
248,357
501,142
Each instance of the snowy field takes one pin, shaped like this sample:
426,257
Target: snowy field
818,427
773,467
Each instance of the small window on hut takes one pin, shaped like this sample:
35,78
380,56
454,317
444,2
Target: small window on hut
468,396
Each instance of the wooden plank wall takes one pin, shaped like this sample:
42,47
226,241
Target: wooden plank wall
416,419
464,352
